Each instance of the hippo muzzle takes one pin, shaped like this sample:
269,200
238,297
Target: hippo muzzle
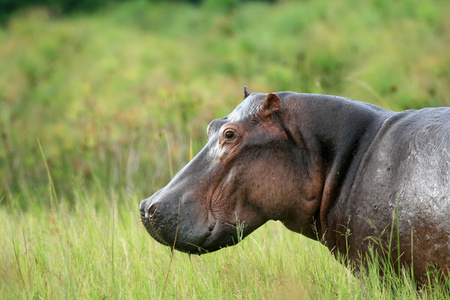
188,231
180,214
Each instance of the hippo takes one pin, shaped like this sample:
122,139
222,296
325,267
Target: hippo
352,175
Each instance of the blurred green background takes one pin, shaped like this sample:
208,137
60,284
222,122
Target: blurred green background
119,93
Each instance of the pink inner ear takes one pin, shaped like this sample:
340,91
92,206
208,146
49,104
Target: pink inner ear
270,105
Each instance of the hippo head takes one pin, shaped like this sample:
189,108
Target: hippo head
248,173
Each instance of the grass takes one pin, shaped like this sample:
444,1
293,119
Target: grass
83,252
120,99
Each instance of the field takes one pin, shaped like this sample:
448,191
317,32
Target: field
99,110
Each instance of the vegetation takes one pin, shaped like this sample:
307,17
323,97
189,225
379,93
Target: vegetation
97,111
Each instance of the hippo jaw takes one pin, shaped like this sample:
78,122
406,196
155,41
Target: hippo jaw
184,227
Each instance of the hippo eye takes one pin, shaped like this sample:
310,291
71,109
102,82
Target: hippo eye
229,134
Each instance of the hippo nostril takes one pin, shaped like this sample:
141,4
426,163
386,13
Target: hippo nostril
151,211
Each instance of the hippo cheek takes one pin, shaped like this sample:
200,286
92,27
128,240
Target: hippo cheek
229,233
222,235
185,223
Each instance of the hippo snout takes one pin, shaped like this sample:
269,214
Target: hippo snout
178,220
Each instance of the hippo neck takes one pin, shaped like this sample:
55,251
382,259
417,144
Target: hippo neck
335,133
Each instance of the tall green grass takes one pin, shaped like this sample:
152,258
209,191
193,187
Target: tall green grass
119,100
98,249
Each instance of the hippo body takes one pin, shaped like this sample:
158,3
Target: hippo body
344,172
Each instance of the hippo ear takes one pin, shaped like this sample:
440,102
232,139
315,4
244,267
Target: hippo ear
270,105
246,92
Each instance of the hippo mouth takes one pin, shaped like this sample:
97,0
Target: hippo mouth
175,233
186,233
